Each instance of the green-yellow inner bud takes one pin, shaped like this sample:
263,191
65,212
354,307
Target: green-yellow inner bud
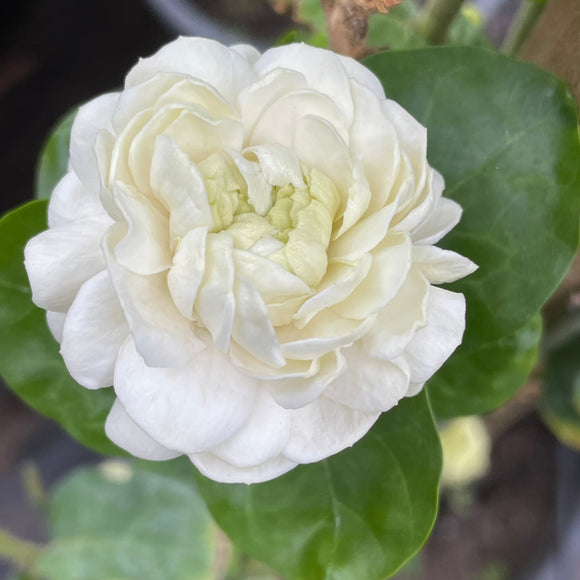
300,219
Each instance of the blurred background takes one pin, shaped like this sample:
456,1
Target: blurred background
520,520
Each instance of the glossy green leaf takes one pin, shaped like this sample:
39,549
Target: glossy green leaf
53,160
359,514
29,359
122,522
479,379
504,135
560,404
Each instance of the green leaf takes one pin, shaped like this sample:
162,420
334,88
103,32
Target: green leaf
504,135
53,160
359,514
395,29
122,522
560,404
30,362
480,379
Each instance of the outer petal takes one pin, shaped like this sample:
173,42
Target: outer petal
441,266
94,330
191,408
324,428
93,117
368,384
433,345
55,321
71,201
249,447
219,470
442,219
323,70
59,261
398,322
125,433
361,74
163,336
222,68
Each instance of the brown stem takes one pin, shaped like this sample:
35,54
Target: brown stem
348,23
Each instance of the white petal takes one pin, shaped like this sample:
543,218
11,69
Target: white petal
364,236
252,327
94,330
279,121
442,219
145,247
256,98
71,201
125,433
261,439
441,266
133,100
218,470
398,322
412,137
55,321
216,304
296,392
259,190
59,261
324,428
274,282
278,164
322,69
163,336
91,118
374,141
361,74
368,384
200,137
191,408
391,262
247,51
432,345
220,67
338,283
186,274
325,332
179,185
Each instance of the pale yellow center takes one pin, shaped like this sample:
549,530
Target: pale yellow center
300,219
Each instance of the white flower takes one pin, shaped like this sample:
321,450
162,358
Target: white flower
243,247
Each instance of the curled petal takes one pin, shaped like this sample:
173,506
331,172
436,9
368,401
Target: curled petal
248,447
433,345
185,276
444,217
294,392
222,68
90,119
324,428
215,468
163,337
94,330
125,433
323,70
441,266
369,384
71,201
60,260
55,321
398,322
252,328
391,262
191,408
216,303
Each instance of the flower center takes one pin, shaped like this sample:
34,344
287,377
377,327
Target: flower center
294,226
